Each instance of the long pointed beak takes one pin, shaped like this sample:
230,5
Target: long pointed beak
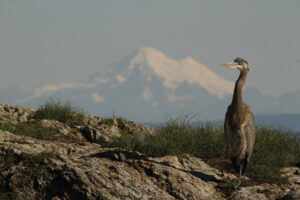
232,65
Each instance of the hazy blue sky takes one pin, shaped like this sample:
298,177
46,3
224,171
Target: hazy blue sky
54,41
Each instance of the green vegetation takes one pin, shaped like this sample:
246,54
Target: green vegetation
29,129
174,138
60,111
273,150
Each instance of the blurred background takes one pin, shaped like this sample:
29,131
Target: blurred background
150,60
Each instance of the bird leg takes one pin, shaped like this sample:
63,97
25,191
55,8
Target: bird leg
239,179
238,183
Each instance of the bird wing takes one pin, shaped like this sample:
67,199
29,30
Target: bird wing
249,130
239,140
227,133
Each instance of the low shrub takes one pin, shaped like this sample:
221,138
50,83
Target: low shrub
177,136
60,111
274,148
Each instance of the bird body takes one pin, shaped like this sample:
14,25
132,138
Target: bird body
239,136
239,127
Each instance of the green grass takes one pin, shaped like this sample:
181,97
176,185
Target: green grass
60,111
176,137
273,149
32,129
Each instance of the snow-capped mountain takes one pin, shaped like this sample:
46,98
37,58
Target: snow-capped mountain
150,65
151,62
147,86
142,86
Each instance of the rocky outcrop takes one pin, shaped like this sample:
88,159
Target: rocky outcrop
93,128
79,168
14,114
86,171
106,129
267,191
35,169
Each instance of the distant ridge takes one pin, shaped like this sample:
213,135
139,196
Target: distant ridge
285,121
146,85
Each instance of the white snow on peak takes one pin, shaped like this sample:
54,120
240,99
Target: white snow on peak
173,72
151,63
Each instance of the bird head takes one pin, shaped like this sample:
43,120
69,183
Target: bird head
239,63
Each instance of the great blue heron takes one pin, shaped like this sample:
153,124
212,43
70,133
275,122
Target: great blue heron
239,125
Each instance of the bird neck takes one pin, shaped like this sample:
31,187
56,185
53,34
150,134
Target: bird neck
237,98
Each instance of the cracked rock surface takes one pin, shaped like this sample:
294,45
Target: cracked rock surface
81,169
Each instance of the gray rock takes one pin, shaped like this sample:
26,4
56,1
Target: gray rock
79,168
14,114
92,129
